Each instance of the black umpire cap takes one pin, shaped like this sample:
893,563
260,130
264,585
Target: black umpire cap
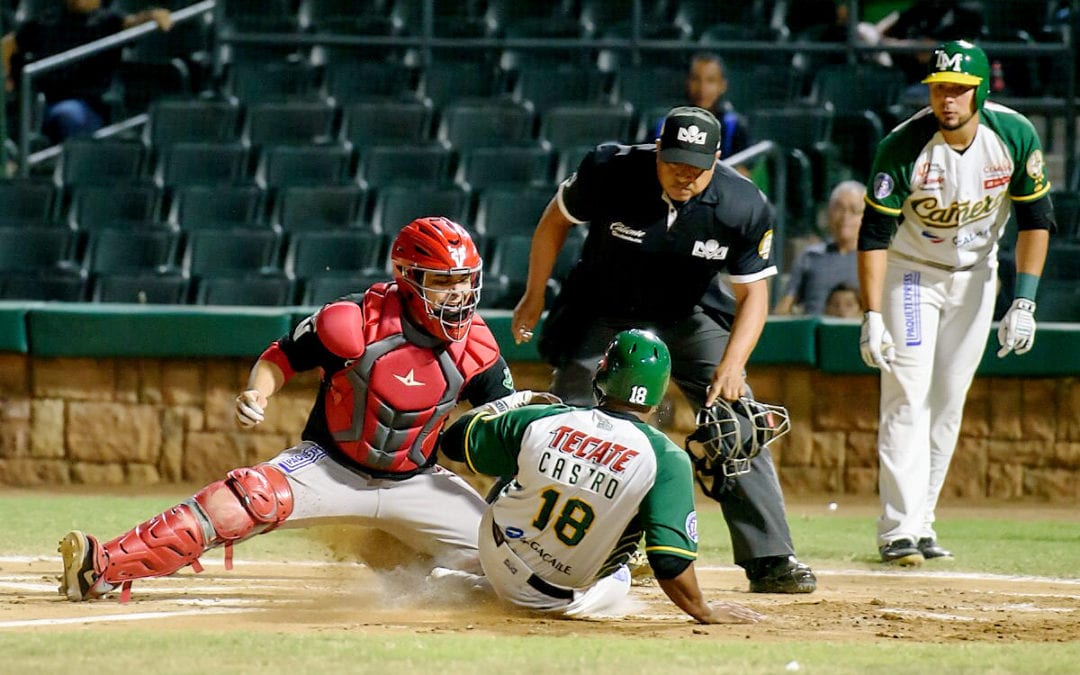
690,136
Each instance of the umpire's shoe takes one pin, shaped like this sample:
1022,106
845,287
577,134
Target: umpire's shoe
929,548
902,552
780,574
83,558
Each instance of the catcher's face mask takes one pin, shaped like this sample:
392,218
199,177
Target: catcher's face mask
730,434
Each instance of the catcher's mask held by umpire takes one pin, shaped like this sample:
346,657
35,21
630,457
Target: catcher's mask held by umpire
438,271
730,434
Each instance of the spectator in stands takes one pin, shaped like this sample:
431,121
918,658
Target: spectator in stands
844,302
820,267
706,84
74,95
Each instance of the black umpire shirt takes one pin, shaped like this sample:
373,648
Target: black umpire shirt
649,258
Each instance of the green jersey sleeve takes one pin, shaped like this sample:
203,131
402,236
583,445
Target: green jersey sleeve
667,512
1029,181
492,442
893,164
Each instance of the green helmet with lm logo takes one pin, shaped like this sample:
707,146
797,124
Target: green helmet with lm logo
960,62
635,369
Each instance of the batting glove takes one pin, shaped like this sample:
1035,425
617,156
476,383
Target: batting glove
516,400
1016,332
876,343
248,411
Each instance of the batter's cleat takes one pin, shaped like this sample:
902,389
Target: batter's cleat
781,574
902,552
930,549
83,559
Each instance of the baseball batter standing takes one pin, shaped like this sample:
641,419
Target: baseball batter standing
587,483
943,183
395,360
664,220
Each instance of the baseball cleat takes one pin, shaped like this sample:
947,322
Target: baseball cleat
902,552
930,549
77,582
782,574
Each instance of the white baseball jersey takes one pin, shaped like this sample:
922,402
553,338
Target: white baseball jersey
953,205
588,482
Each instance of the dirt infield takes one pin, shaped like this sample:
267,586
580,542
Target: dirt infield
850,605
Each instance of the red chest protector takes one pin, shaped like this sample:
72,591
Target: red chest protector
386,407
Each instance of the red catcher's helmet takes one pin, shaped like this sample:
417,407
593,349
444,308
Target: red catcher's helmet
426,253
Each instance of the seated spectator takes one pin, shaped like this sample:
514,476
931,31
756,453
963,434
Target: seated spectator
844,302
820,267
706,84
74,94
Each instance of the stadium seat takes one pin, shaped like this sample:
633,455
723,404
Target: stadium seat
254,83
369,123
253,290
94,207
568,126
268,16
302,209
482,168
115,251
312,254
509,211
26,203
142,82
290,165
446,80
650,86
175,121
25,249
547,85
386,165
59,285
100,162
183,164
398,205
569,159
149,288
229,253
1067,214
352,80
294,122
320,290
1063,261
763,85
214,207
483,124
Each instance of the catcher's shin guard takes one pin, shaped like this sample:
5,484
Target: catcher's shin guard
248,502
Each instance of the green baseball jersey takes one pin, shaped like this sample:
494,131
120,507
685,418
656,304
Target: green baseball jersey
584,478
953,205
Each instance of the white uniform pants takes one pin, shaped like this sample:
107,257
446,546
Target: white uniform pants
940,321
510,579
435,512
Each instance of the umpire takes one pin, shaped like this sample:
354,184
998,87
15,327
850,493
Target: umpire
664,219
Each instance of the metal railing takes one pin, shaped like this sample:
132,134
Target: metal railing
62,59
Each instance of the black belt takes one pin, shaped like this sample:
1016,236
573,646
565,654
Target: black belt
533,580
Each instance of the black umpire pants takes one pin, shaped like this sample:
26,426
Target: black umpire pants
754,505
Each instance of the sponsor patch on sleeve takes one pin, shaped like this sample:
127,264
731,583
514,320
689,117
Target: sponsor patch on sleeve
764,247
1034,165
883,186
691,526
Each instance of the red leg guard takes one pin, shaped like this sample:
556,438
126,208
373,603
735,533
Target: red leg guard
248,502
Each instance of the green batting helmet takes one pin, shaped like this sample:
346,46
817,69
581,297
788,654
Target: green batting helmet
961,62
635,369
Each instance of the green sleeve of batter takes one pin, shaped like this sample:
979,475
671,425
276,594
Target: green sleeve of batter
894,164
492,442
667,513
1029,181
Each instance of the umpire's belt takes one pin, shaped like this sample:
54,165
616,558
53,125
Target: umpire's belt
533,580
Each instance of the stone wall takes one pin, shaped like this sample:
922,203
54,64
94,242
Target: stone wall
150,421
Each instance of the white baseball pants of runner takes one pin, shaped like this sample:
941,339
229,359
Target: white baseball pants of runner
515,583
939,321
435,512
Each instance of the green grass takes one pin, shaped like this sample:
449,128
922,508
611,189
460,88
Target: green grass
1007,541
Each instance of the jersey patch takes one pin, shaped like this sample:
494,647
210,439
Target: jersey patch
691,526
710,250
912,316
883,186
764,247
309,455
1034,166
